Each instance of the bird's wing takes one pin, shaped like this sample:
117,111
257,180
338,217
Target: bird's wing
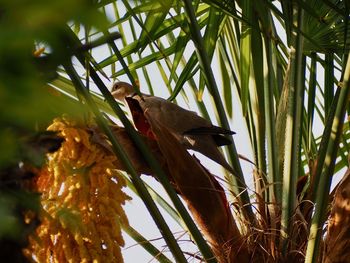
221,140
213,130
185,124
173,116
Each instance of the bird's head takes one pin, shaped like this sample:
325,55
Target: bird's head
121,89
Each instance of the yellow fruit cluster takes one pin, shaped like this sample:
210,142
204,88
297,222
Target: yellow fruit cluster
82,202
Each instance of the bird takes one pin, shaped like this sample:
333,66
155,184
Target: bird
190,129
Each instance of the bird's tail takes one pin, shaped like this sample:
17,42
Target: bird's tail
208,147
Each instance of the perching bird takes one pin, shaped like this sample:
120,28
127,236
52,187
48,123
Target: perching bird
191,130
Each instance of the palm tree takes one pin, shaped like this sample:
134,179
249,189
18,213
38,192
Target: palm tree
284,64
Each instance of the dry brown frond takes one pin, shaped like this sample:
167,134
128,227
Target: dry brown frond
337,245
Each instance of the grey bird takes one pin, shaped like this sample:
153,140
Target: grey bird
191,130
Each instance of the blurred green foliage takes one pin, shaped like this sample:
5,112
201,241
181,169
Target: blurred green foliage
27,103
23,26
